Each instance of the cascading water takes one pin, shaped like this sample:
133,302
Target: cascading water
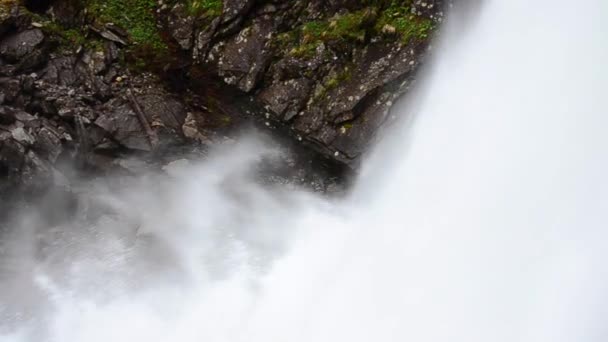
482,219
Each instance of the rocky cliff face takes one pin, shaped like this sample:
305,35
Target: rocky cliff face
327,70
94,83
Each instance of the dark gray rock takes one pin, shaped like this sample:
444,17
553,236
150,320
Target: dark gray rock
202,43
120,123
244,58
286,99
235,8
7,116
165,114
21,45
67,12
181,26
48,142
12,156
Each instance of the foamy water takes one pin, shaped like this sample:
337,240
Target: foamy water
482,218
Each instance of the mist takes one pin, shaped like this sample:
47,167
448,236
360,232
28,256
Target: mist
481,216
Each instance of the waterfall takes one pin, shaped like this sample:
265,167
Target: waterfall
481,217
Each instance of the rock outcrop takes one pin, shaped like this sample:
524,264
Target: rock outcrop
327,70
79,85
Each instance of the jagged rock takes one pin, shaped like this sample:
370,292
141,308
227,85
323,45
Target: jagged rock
244,58
7,117
163,114
235,8
428,8
20,44
110,35
375,66
67,12
181,26
286,99
10,89
192,128
12,155
20,135
166,116
120,122
353,138
48,142
61,71
202,43
330,88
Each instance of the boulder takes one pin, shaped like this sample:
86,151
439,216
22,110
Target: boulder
21,45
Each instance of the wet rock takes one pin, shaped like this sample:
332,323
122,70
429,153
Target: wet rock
12,156
193,128
48,143
163,114
376,65
355,137
121,124
166,116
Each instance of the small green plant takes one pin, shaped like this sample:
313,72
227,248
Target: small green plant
135,16
346,28
147,50
209,8
398,19
347,126
332,82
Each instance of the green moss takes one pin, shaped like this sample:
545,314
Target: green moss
347,126
135,16
336,80
389,18
397,17
347,28
148,50
332,82
208,8
67,38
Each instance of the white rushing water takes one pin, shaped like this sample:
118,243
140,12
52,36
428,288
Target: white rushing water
483,218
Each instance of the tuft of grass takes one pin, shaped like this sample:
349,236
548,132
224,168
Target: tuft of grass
148,50
68,38
135,16
346,28
398,17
